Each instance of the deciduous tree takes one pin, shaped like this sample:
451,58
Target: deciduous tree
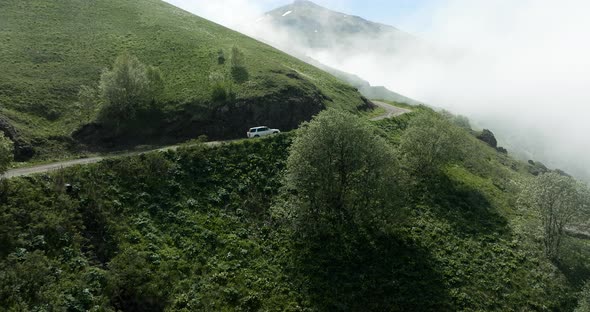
128,88
429,143
341,174
558,200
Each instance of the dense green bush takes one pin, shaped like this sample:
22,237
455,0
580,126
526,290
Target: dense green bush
584,299
128,88
559,201
6,152
341,174
239,71
429,143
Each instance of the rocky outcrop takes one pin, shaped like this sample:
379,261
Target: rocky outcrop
488,137
284,109
23,151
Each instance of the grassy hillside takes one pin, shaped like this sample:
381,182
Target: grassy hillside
50,49
194,230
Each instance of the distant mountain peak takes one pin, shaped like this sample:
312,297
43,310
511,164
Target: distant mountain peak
304,2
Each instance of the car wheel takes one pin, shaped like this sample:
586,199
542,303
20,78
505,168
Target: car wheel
276,132
257,136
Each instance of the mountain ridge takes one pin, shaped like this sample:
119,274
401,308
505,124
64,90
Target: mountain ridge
51,49
304,26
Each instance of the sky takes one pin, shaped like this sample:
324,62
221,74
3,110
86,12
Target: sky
398,13
520,68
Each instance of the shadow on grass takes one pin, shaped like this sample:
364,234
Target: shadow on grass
573,262
464,207
385,274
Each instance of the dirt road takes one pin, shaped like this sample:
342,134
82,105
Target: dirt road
390,112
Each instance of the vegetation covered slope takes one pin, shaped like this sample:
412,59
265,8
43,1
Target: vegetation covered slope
208,229
52,48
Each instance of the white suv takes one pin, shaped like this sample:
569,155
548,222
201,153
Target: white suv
258,132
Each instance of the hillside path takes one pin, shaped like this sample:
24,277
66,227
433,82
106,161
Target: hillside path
390,112
20,172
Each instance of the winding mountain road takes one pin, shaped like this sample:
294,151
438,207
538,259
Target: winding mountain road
390,112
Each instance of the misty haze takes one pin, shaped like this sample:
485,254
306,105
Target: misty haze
520,69
294,155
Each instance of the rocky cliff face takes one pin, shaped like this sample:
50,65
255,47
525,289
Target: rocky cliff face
285,108
23,151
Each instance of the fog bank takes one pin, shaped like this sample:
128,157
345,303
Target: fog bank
519,68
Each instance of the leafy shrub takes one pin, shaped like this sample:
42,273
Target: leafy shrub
584,299
558,200
6,152
429,143
220,57
127,89
238,69
218,93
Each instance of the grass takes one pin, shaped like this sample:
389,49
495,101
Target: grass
50,49
192,229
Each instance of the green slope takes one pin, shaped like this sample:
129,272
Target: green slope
51,48
193,230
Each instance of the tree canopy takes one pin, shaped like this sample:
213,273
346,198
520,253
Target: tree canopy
341,172
128,88
558,200
429,143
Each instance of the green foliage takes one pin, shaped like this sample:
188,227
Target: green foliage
429,143
6,152
584,299
220,57
193,230
219,94
558,200
222,88
459,120
237,57
342,173
128,88
239,71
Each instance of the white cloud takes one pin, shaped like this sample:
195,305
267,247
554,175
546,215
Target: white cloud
525,73
521,68
229,13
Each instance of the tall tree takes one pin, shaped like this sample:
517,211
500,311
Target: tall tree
430,142
128,88
558,200
342,173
